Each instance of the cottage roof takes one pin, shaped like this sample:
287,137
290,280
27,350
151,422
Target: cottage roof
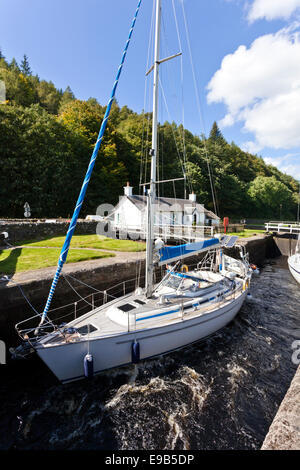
184,204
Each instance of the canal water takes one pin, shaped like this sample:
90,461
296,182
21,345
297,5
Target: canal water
222,393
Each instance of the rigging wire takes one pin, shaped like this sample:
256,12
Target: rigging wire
173,132
7,279
70,285
170,79
199,108
84,284
145,139
182,94
144,151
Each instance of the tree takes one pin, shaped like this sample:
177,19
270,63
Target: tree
47,137
20,90
216,135
48,96
37,158
67,96
1,54
14,65
25,67
93,101
269,196
83,120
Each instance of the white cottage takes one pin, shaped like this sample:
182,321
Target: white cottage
131,212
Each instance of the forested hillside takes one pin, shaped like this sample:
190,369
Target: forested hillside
47,136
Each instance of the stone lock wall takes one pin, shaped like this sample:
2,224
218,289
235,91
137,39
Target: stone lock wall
21,230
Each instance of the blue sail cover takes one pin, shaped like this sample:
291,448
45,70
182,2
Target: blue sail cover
172,253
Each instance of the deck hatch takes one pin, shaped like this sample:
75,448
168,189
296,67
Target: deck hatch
141,302
86,329
126,307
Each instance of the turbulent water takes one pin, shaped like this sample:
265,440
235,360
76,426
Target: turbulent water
219,394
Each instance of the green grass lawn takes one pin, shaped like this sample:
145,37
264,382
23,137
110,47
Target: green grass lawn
26,259
90,241
247,233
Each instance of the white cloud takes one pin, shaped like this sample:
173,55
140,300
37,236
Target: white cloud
251,147
276,121
227,121
260,86
289,164
272,9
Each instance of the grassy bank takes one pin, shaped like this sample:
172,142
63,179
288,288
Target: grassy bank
26,259
247,233
44,253
90,241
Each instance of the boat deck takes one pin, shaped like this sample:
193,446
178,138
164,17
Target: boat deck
141,313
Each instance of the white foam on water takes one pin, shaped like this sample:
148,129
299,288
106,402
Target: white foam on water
176,432
237,373
155,385
195,382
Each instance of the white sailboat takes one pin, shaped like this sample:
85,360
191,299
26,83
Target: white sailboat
186,306
294,259
294,262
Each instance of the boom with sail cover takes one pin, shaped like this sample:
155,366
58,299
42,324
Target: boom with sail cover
169,254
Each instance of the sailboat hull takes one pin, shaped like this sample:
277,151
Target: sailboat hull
66,361
294,266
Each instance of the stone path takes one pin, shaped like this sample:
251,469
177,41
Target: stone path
46,273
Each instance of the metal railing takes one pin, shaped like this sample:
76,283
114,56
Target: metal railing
26,328
168,232
283,227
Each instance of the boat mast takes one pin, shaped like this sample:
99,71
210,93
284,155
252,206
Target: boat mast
154,151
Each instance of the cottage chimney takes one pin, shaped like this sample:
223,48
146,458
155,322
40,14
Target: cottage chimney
128,189
192,197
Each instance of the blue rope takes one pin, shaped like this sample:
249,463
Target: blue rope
66,246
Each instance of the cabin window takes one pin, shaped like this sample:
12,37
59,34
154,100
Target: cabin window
86,329
139,301
126,307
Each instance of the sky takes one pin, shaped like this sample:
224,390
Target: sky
245,60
